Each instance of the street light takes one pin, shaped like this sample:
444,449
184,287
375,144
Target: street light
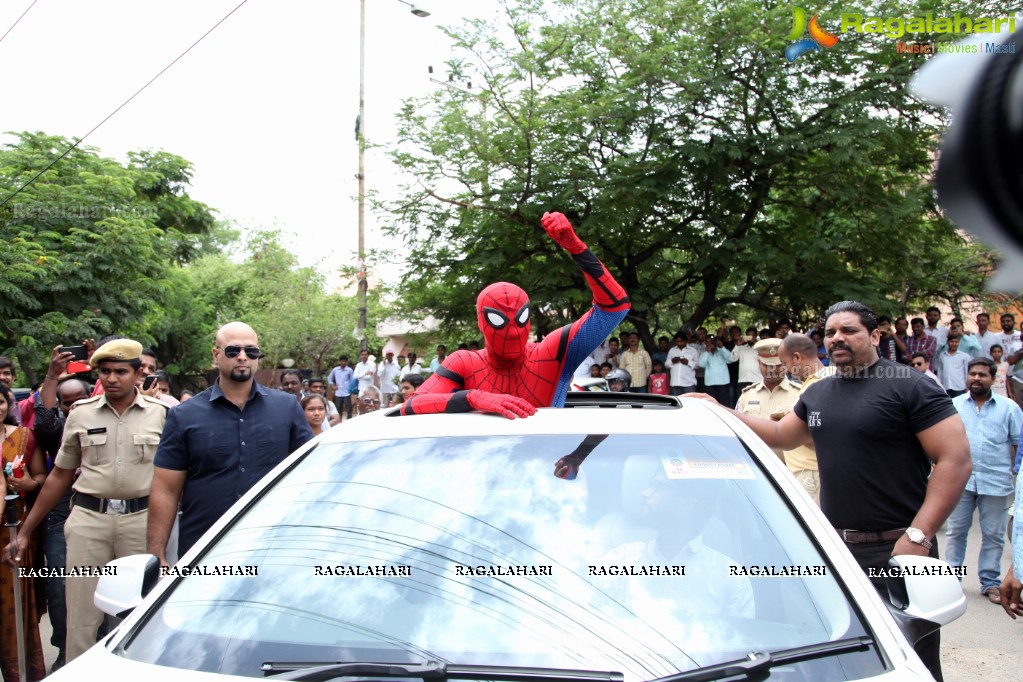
360,134
416,9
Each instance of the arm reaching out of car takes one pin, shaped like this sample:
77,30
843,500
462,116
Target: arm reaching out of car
788,433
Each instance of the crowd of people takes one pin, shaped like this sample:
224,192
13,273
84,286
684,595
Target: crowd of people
113,465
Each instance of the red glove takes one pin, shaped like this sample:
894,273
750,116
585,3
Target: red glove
560,230
509,406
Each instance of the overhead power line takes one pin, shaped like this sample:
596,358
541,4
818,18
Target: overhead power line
123,104
18,19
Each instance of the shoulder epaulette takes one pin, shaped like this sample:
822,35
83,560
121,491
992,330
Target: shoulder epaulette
155,401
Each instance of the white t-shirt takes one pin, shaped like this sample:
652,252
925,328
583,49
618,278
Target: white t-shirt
681,373
1010,344
749,364
364,372
940,334
987,339
583,370
389,372
951,369
411,369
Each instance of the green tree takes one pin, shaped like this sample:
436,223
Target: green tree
285,303
707,172
87,247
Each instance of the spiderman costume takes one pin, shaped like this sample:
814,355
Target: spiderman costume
511,376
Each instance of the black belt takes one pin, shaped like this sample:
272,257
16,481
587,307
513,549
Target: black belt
858,536
104,506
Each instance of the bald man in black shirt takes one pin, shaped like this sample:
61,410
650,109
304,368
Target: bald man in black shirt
877,427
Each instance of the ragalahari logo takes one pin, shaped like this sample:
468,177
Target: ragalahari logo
818,36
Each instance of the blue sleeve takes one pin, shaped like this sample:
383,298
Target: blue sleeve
595,327
172,453
590,332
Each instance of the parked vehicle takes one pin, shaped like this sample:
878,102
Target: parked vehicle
623,537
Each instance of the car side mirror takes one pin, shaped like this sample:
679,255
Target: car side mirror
125,583
923,594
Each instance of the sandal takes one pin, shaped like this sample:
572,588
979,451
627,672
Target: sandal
993,596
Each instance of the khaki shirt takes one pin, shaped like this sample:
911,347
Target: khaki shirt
804,458
115,452
760,401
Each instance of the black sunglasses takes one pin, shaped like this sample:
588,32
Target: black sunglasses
252,352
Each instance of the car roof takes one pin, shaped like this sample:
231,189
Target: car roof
610,413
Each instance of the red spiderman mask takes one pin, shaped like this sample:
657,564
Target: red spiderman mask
502,310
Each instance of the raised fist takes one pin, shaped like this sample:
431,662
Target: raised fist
560,230
509,406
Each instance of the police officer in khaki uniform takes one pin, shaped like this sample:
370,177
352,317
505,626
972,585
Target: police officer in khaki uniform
113,438
773,396
798,354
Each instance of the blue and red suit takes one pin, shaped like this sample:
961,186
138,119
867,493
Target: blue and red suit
512,376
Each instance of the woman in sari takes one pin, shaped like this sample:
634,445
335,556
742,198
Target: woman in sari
24,474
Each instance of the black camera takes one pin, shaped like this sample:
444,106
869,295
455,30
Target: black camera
979,176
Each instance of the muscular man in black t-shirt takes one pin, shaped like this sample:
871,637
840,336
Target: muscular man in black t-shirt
871,419
877,428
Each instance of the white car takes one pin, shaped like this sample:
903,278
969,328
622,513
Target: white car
621,538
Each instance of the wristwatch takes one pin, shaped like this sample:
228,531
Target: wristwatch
917,537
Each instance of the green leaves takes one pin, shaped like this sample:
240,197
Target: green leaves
88,247
701,166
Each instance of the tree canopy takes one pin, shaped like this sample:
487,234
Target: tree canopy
705,170
87,248
285,303
94,247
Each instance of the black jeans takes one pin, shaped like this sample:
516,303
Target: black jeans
721,393
875,555
55,550
340,402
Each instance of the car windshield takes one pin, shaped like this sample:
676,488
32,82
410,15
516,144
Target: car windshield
643,554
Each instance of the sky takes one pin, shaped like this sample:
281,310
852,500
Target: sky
264,107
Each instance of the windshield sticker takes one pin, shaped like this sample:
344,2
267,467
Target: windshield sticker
678,467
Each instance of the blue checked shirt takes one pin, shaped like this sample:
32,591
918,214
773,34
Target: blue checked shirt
991,430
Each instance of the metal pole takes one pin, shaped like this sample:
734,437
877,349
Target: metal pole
11,521
363,284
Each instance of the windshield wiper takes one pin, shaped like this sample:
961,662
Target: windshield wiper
315,672
759,661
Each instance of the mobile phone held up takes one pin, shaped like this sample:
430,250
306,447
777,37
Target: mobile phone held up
148,383
77,352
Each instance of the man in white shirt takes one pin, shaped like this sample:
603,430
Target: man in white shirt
749,364
683,360
365,370
388,374
940,334
985,336
412,366
607,352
